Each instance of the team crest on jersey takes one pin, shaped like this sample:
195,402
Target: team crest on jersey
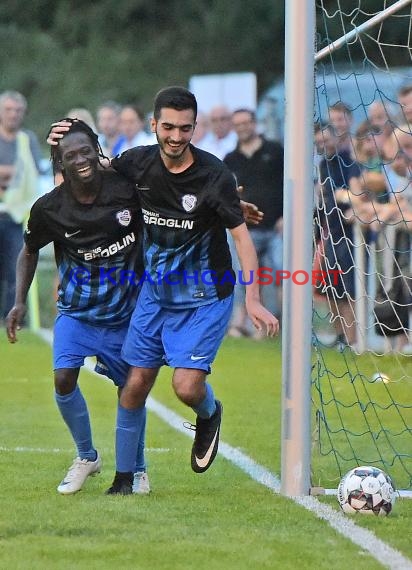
189,202
124,217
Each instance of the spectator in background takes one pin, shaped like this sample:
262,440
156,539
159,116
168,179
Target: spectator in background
394,289
108,126
201,130
380,116
398,207
370,159
341,119
405,101
318,149
340,194
258,167
366,148
221,139
13,112
82,114
392,153
20,157
398,139
132,130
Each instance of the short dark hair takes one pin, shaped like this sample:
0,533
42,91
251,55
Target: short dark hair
77,126
251,113
177,98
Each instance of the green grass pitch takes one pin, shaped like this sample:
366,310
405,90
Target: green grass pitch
218,520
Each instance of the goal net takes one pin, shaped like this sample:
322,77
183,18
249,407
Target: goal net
362,358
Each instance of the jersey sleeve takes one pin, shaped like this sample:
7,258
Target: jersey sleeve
130,163
123,164
36,235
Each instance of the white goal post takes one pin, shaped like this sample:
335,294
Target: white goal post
298,207
300,59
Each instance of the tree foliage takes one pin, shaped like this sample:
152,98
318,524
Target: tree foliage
66,53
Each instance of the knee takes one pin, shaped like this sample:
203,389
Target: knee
188,392
137,388
65,381
139,384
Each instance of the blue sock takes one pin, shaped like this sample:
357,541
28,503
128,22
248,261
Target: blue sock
129,432
74,411
140,459
207,407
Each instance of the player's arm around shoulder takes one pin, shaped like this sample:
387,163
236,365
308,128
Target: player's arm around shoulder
259,315
25,268
251,212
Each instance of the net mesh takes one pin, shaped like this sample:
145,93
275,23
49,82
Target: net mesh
362,364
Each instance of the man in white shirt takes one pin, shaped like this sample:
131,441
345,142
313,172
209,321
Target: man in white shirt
221,139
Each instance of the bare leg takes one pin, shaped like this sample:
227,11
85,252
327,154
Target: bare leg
344,319
347,317
139,383
65,380
189,385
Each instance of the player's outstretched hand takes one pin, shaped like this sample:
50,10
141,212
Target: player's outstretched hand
251,213
261,318
57,132
14,321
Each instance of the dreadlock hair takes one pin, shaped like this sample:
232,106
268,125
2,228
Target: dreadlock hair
77,126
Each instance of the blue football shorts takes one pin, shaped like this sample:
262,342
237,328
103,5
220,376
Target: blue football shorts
74,340
180,338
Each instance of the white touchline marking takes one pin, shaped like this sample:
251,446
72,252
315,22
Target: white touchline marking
237,457
21,449
365,539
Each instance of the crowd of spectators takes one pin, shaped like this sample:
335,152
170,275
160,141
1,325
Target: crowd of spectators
363,181
362,175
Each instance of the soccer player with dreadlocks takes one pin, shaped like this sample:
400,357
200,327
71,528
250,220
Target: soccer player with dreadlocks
93,219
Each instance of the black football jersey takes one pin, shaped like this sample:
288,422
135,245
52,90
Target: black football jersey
98,248
185,216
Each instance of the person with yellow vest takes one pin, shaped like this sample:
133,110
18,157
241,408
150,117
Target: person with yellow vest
19,164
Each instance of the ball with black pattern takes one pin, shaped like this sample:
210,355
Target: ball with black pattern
366,490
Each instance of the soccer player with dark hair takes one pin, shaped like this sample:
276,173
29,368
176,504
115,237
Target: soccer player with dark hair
188,199
93,219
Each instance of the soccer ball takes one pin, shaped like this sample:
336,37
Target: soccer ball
381,377
366,490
